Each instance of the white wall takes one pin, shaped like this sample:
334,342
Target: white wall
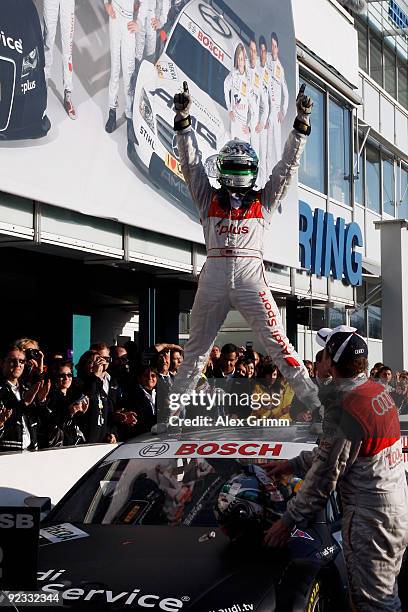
327,30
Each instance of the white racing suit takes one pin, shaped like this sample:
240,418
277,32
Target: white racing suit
122,47
279,103
361,449
65,10
259,109
237,90
233,275
146,37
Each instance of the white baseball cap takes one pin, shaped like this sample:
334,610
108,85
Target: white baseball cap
324,333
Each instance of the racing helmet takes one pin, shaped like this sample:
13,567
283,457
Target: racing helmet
237,165
248,503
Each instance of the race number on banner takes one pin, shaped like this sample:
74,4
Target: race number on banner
19,531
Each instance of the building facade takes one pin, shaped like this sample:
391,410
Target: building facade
71,278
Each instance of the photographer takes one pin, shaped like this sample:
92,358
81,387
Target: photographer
18,412
34,366
97,422
64,408
360,449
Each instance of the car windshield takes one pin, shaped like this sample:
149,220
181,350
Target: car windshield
198,63
149,492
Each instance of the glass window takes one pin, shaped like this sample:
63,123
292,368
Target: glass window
362,46
358,320
388,186
403,83
376,59
390,79
337,316
402,192
374,322
358,317
373,178
339,149
311,172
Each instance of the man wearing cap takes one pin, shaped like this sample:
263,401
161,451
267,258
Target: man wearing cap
361,450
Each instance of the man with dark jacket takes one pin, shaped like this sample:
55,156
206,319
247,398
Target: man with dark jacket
360,449
18,415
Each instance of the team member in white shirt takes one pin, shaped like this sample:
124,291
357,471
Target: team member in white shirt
237,96
258,106
263,136
280,102
65,11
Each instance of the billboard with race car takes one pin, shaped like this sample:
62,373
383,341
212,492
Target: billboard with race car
112,70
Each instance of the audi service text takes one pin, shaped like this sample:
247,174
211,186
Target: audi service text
56,583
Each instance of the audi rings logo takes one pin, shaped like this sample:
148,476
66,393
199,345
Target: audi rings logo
382,403
154,450
216,21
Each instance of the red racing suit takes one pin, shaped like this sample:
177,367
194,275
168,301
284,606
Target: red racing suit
361,449
233,275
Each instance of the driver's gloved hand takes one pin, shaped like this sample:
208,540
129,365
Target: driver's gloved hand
304,107
182,105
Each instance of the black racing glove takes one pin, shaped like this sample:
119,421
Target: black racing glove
182,105
304,107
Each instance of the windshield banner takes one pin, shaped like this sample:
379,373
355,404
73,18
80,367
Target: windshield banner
86,104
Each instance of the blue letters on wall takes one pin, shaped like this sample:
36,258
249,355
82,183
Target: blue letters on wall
327,247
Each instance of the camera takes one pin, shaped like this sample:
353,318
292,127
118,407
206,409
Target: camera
249,350
32,353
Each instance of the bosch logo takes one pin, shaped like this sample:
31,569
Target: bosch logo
154,450
215,449
216,21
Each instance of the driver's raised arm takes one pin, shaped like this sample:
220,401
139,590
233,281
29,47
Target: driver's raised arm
190,155
280,179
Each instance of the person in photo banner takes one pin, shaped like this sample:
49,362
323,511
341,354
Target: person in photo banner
122,34
279,103
258,105
64,10
234,220
237,96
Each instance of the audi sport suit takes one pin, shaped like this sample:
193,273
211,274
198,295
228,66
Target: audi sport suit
361,449
237,99
65,9
122,46
233,275
279,103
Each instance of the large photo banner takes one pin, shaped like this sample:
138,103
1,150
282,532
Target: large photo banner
86,103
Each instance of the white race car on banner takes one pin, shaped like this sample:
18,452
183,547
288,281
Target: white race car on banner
199,48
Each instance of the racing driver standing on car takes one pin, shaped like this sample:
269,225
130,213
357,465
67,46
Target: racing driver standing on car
361,450
234,219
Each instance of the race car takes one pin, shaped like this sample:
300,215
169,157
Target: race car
199,48
23,91
140,531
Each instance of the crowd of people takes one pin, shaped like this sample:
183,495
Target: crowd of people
115,393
